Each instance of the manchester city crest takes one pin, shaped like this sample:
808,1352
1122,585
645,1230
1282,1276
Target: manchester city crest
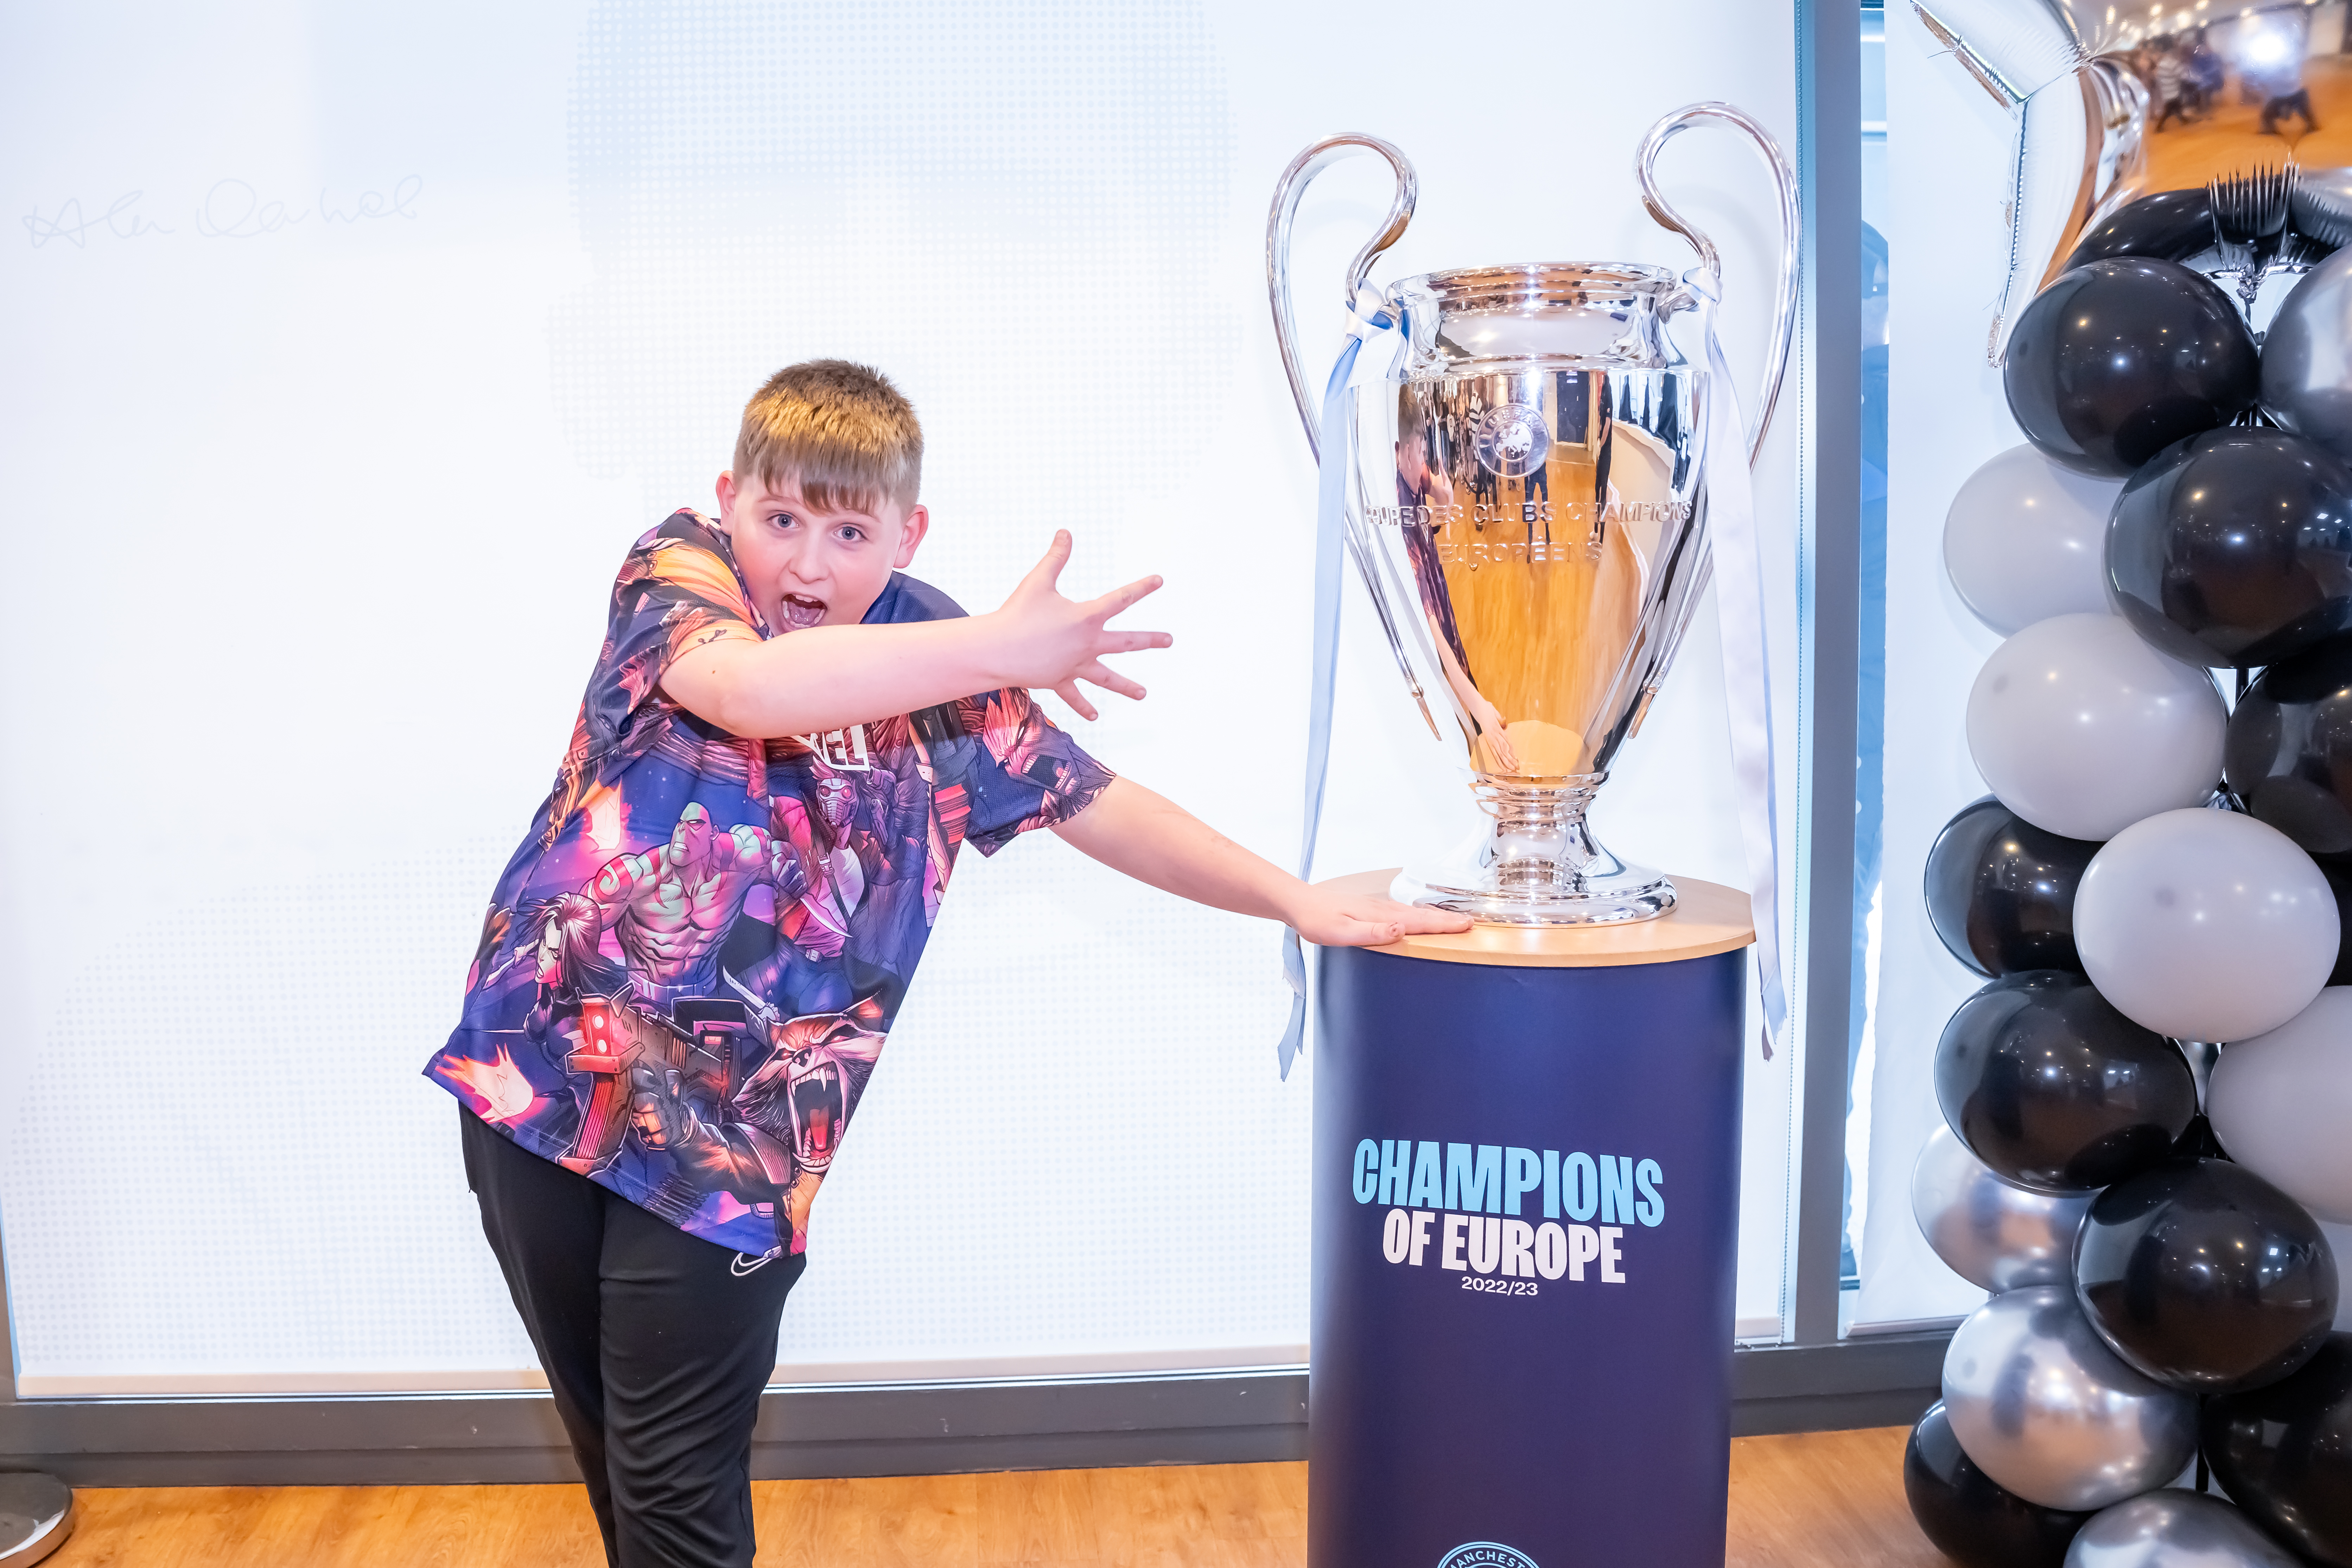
1485,1554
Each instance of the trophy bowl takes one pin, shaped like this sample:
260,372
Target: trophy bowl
1528,510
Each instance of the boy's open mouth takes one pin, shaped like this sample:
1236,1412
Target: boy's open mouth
802,612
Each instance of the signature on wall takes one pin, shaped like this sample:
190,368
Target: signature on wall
231,209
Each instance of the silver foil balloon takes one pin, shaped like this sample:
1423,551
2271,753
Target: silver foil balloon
1987,1232
2046,1410
2322,205
2174,1529
2307,354
2088,85
2080,122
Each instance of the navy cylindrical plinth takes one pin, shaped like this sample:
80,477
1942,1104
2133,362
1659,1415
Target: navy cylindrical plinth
1526,1220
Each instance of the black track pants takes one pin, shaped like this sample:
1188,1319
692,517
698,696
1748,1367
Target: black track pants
656,1343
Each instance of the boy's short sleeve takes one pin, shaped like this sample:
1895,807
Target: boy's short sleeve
1025,771
676,590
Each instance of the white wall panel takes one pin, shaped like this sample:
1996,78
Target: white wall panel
1948,172
347,350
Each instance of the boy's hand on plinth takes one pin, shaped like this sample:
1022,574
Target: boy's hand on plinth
1331,918
1050,641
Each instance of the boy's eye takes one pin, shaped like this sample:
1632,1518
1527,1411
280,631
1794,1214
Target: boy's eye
782,520
849,534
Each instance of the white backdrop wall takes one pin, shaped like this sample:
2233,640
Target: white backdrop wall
1947,163
347,350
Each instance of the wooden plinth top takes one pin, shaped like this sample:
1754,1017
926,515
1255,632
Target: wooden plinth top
1707,918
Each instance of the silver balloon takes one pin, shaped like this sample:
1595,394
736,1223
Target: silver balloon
2080,122
2174,1529
2322,205
2046,1410
2092,94
2307,357
1987,1232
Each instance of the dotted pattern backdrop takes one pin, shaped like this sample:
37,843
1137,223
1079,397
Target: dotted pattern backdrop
1012,209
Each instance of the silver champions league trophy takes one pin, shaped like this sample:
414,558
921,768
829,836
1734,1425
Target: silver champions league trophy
1524,493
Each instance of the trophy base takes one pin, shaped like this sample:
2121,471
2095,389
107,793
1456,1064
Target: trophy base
1638,894
1537,863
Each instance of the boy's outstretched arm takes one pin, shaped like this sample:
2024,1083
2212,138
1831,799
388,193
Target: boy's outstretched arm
828,678
1154,840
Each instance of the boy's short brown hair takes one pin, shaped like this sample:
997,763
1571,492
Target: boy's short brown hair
840,431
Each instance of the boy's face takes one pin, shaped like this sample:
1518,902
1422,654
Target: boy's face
811,568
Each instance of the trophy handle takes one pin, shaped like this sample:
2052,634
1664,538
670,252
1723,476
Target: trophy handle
1784,180
1293,185
1287,192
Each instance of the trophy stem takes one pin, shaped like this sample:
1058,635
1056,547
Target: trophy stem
1537,863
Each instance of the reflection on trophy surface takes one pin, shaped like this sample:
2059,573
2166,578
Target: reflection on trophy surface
1550,520
1533,529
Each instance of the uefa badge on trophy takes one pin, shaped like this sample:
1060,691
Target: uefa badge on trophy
1526,494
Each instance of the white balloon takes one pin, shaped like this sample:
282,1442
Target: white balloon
2205,925
2282,1105
2082,728
2026,540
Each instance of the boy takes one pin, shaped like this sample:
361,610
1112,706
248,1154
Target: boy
690,965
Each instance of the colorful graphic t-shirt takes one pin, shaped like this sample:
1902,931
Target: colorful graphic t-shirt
690,965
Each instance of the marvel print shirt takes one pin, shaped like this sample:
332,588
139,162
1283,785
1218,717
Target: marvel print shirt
690,965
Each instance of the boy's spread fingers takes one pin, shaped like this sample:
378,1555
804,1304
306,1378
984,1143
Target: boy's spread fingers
1068,693
1109,680
1121,598
1057,555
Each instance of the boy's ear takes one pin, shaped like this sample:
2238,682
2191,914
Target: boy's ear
911,535
727,498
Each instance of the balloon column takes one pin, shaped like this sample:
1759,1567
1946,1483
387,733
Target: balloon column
2160,873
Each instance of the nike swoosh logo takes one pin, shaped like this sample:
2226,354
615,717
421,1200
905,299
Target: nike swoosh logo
743,1263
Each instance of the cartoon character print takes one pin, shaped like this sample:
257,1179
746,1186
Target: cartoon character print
690,963
677,589
667,911
1023,743
771,1145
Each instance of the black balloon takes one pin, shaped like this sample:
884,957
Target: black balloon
2284,1454
2117,360
1969,1516
2235,547
2171,226
2000,892
2289,754
2055,1090
2204,1276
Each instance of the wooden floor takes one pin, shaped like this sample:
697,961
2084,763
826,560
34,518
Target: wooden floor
2227,141
1796,1502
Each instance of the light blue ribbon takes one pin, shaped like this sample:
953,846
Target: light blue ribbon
1338,450
1743,613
